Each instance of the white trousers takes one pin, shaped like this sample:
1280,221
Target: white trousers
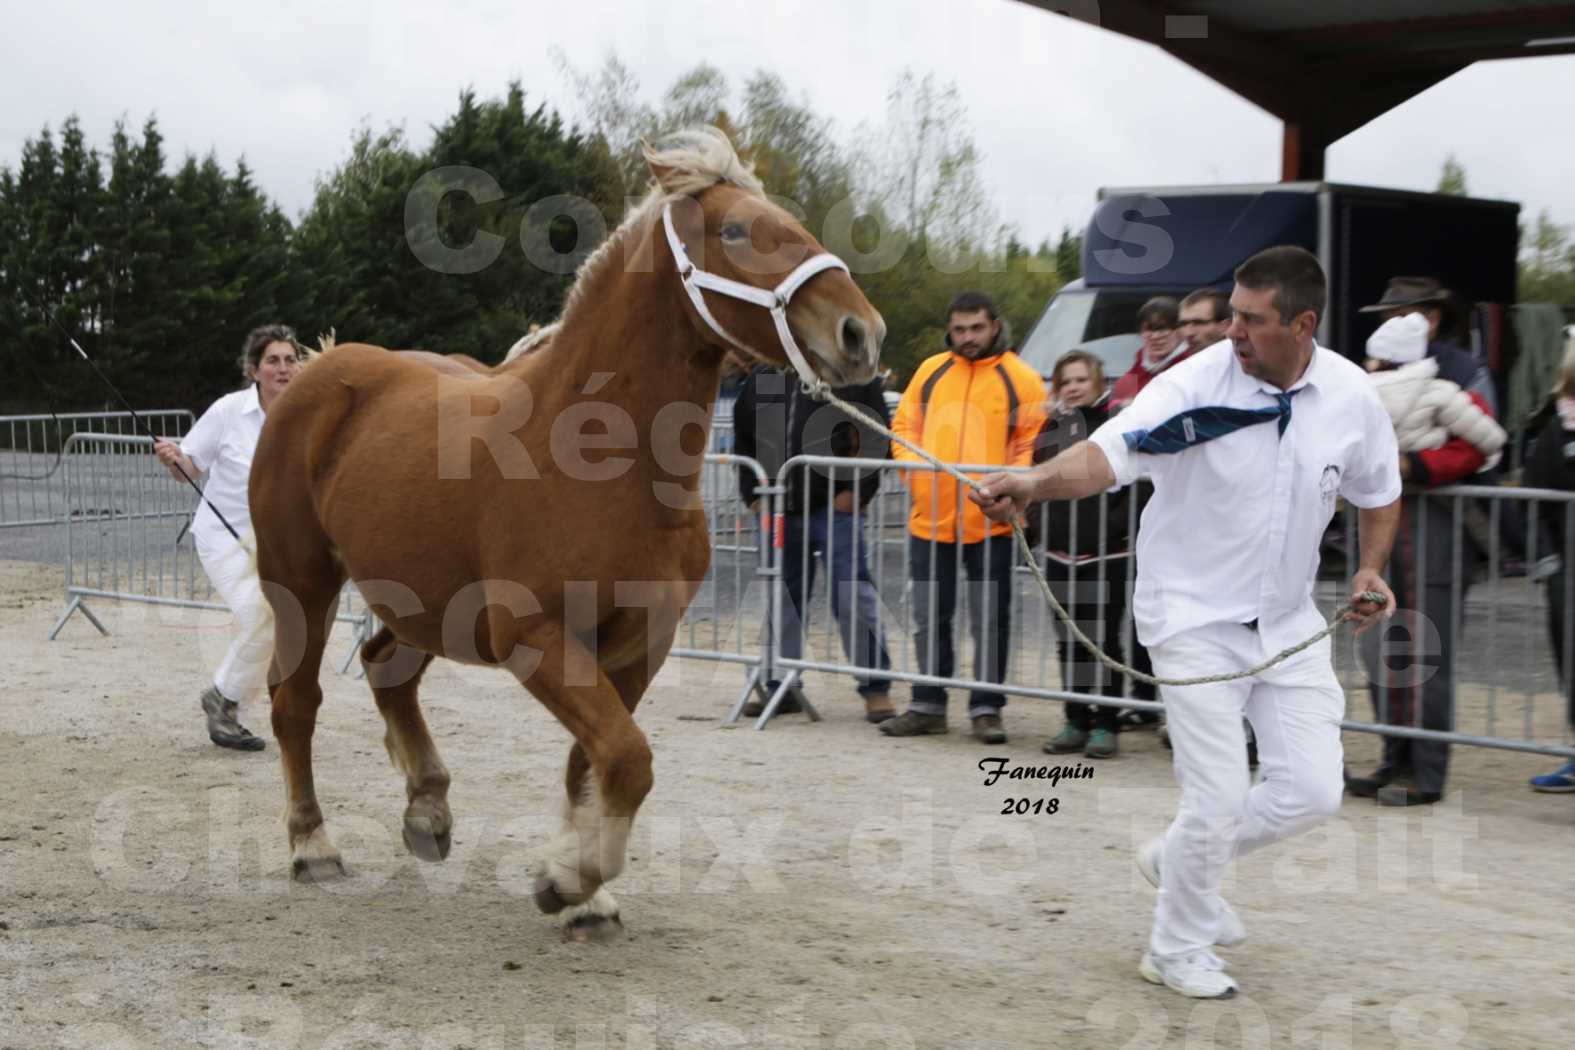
1295,711
233,573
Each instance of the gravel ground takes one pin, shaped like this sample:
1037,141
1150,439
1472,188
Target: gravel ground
814,885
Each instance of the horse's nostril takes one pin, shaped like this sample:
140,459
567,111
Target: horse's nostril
853,335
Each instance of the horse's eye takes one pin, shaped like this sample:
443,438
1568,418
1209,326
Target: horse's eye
733,232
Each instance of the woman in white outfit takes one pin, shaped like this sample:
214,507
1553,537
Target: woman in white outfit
221,445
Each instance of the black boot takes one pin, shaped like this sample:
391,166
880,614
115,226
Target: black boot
1368,787
223,728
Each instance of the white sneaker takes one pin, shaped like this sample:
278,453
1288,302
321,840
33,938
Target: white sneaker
1232,930
1200,975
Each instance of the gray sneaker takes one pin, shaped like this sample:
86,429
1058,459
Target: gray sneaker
223,727
912,723
988,728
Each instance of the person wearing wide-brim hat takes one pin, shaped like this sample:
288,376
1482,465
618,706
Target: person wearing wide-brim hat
1421,693
1404,292
1416,295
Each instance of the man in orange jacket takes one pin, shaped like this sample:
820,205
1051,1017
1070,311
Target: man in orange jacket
976,403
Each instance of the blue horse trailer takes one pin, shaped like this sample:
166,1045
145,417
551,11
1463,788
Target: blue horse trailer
1143,242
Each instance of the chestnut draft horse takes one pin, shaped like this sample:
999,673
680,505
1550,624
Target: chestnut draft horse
479,530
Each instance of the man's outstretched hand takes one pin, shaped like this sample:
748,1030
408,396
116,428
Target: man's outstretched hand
1006,497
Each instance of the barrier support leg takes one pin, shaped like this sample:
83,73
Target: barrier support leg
790,684
363,634
756,683
77,603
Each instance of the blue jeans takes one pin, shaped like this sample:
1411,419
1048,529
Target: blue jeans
855,604
933,568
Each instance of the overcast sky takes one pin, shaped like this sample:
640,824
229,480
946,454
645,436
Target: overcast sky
1059,108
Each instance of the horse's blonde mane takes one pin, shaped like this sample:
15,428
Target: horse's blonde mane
537,335
694,160
326,342
699,158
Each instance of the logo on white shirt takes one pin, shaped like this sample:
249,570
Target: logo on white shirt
1329,486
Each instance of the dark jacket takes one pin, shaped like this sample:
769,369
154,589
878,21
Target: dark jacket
1550,464
774,420
1056,517
1457,365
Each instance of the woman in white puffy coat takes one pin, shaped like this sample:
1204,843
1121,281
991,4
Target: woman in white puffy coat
1446,431
1427,411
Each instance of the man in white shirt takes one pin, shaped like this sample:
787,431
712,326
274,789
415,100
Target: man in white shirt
1249,443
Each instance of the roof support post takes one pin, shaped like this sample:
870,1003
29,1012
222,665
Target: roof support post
1302,155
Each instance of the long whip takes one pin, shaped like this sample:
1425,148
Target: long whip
139,420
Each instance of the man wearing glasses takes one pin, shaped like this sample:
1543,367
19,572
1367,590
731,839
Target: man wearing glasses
1205,314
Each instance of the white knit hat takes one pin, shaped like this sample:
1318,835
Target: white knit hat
1400,340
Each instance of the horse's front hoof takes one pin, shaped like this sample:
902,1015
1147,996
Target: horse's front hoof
317,869
315,859
594,929
426,843
593,921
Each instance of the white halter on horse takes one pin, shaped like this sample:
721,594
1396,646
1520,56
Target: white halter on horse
776,300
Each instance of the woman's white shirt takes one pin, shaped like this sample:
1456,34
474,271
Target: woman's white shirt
221,444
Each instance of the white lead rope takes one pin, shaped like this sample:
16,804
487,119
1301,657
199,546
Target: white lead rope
776,300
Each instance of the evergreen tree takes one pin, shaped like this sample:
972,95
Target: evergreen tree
1547,268
38,280
1069,255
1452,180
350,246
385,228
135,241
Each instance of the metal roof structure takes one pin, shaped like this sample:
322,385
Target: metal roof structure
1328,68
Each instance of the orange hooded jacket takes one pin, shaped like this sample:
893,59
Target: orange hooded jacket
982,412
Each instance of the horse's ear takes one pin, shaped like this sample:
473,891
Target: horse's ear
662,173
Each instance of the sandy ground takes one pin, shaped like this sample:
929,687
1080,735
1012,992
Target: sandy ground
815,885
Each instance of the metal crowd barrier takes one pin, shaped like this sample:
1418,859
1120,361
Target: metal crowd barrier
1486,644
729,619
1511,678
1030,667
32,449
1503,668
125,514
721,436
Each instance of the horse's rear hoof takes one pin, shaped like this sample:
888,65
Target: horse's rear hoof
426,844
594,929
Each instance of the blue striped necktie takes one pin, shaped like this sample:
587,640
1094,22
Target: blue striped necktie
1198,425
